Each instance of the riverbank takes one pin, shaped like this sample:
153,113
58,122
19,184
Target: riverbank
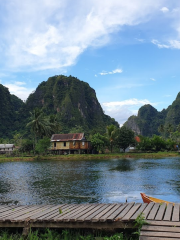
90,156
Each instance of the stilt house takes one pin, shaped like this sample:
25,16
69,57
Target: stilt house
6,148
70,143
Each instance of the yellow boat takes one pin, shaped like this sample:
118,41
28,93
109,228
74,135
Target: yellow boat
148,199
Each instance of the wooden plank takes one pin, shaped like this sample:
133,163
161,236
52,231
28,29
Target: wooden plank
147,210
44,212
66,209
82,218
161,211
79,212
153,211
82,215
103,213
175,214
168,213
59,217
83,212
81,225
49,215
5,208
23,215
113,216
163,223
139,211
160,228
160,234
155,238
109,215
66,216
13,211
90,217
131,212
124,212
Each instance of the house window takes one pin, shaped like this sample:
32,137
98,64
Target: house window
83,143
74,142
55,144
64,144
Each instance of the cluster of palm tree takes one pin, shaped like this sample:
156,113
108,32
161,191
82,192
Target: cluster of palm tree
169,131
42,125
114,137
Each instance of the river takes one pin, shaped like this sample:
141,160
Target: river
89,181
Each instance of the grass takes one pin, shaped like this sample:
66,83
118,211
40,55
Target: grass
90,156
67,235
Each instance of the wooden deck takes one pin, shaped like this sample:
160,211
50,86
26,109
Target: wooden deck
97,216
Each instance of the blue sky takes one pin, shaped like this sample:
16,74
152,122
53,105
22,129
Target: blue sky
128,51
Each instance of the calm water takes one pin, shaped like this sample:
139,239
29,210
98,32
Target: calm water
106,181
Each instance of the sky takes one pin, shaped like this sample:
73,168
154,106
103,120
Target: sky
128,51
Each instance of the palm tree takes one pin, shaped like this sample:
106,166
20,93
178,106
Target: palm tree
39,123
169,129
111,133
54,124
161,129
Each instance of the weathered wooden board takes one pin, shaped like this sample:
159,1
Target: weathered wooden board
163,220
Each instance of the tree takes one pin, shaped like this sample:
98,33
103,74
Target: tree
55,125
26,146
145,144
158,143
77,129
43,145
161,129
111,134
40,125
17,139
169,129
125,137
99,142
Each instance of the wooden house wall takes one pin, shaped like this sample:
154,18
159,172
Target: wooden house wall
60,145
74,146
70,145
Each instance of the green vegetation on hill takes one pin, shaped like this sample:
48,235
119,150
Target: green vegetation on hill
73,103
10,106
149,120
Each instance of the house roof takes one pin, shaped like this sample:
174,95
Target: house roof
67,137
6,146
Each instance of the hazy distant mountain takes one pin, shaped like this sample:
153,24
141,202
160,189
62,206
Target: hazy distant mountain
149,119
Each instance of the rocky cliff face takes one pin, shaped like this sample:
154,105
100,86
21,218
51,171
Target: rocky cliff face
73,101
132,123
147,121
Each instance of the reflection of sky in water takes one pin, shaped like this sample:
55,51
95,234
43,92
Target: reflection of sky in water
107,181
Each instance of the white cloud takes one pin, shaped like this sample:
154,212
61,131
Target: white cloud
17,89
122,110
49,34
164,9
140,39
129,102
153,79
118,70
171,44
156,42
20,83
